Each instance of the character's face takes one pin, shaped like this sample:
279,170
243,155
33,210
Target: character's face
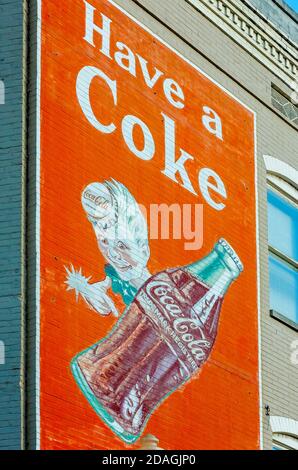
114,237
121,250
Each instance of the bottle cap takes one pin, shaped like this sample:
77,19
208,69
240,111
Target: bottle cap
231,252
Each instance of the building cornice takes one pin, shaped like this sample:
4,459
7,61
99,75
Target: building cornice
250,29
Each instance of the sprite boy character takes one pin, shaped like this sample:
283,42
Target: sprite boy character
122,237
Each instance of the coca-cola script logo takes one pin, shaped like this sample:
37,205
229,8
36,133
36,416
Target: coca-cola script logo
189,328
97,200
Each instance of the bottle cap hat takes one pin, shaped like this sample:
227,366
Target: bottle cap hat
97,201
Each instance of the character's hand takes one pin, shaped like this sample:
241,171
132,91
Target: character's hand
94,294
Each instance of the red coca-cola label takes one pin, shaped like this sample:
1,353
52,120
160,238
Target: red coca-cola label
168,300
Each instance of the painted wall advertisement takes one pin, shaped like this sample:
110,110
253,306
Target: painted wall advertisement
148,264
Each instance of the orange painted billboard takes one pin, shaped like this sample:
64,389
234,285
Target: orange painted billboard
148,258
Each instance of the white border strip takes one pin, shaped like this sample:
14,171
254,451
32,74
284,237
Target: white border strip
38,112
259,295
37,225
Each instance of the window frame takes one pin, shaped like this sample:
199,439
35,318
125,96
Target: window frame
280,191
280,445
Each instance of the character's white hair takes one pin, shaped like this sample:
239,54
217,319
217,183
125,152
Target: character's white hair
127,212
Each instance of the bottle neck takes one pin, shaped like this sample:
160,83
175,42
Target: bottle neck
212,271
219,268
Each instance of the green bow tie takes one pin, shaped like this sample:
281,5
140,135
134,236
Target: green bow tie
119,286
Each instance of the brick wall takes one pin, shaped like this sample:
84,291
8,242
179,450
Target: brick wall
11,189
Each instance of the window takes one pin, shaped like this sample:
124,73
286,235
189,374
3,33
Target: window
284,442
283,256
293,4
284,105
283,250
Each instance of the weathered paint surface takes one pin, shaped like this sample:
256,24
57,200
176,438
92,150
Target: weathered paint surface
220,408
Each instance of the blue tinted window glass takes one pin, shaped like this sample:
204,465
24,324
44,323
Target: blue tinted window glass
282,225
293,4
283,288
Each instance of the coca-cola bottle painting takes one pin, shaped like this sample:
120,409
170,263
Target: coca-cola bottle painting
162,340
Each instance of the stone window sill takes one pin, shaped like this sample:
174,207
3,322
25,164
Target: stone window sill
286,321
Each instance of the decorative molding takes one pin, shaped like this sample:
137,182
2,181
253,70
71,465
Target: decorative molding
281,169
250,29
285,442
282,425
